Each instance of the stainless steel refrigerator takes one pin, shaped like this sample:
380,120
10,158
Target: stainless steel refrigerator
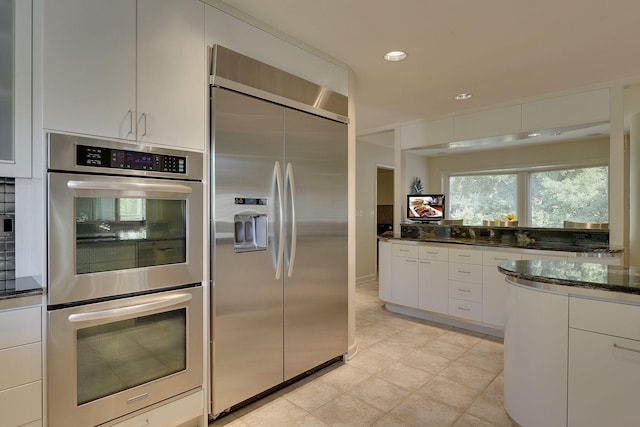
279,236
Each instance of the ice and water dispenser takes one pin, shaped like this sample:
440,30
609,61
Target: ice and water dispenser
250,228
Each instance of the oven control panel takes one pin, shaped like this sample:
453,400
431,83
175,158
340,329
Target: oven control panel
134,160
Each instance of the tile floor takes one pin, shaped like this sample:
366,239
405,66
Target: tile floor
407,372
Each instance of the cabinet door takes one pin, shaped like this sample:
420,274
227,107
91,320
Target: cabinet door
172,83
89,67
404,289
604,372
433,294
15,88
494,297
384,271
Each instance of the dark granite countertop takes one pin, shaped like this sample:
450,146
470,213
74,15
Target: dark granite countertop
602,250
20,287
584,275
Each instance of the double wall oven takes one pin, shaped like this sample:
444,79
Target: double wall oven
125,272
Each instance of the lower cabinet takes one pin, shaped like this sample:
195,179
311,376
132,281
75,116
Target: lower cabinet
21,361
494,297
433,292
604,363
405,279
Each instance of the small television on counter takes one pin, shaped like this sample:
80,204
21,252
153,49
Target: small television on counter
425,207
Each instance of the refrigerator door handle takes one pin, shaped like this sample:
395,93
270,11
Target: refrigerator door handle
280,259
291,181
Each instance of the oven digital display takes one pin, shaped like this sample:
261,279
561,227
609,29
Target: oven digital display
133,160
138,159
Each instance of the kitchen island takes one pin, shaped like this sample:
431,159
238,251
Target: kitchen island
572,343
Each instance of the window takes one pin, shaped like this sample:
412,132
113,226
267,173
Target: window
475,198
579,195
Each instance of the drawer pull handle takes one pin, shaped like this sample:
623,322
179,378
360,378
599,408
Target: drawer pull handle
464,290
464,272
432,252
622,347
501,259
403,250
464,256
425,262
411,260
464,308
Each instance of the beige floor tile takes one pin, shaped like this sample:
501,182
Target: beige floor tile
428,330
279,412
345,377
230,420
370,361
495,390
426,361
346,410
393,350
379,393
489,410
391,420
468,375
467,420
444,349
465,339
419,410
313,395
308,421
490,361
449,392
405,376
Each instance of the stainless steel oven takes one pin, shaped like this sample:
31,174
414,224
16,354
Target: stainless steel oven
125,270
123,218
109,359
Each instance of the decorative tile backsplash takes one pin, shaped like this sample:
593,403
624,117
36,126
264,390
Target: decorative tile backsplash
7,234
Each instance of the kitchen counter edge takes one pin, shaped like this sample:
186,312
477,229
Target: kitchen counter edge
27,291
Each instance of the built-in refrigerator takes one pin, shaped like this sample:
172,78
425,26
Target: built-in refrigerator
278,234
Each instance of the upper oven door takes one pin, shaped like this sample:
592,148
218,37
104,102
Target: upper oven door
119,235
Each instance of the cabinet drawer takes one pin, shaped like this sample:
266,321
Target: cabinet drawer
21,405
185,412
493,258
465,291
465,309
471,273
407,251
434,253
621,320
467,256
19,327
20,365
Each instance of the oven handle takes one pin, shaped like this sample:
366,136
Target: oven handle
163,302
125,186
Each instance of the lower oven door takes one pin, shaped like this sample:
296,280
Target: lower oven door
108,359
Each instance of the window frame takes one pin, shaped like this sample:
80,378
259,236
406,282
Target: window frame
523,211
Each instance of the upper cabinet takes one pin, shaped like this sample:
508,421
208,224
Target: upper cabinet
126,69
15,88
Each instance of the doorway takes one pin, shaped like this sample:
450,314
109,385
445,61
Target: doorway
384,203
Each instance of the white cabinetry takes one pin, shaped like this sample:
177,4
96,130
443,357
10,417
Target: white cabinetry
125,69
434,279
404,274
21,361
465,283
604,363
15,88
384,270
494,299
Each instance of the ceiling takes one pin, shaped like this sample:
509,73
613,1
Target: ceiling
501,51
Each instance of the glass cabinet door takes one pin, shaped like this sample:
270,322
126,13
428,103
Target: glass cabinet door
15,88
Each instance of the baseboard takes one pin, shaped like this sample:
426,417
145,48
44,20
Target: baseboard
368,278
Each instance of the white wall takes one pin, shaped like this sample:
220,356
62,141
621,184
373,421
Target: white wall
368,158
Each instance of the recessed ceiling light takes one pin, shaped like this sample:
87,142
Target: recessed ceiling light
395,56
534,134
462,96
